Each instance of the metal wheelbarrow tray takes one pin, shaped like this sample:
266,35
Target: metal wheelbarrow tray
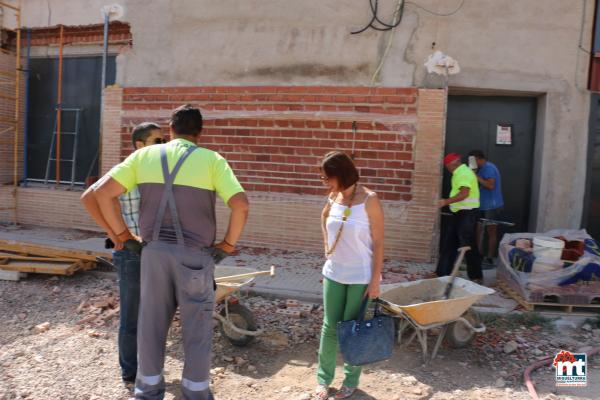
416,304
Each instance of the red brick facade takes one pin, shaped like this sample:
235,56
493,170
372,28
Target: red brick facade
274,138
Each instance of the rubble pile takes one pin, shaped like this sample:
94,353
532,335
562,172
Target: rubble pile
100,309
298,322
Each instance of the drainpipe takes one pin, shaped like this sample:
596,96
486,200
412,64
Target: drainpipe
105,48
26,122
106,15
114,11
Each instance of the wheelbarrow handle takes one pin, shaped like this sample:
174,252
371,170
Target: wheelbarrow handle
459,259
461,255
270,272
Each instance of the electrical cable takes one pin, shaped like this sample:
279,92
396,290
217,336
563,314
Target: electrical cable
462,3
398,14
374,5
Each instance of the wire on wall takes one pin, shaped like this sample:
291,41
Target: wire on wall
448,14
375,20
397,18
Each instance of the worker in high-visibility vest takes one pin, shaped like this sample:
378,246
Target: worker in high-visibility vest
460,230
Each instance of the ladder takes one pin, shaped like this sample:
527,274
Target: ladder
75,112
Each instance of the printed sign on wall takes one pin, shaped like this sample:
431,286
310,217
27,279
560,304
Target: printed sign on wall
504,135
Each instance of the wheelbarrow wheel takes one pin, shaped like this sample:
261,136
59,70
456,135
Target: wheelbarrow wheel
458,334
242,318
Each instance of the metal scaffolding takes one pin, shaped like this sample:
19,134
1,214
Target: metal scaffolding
15,123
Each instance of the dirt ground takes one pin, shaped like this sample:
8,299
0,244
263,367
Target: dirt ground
74,361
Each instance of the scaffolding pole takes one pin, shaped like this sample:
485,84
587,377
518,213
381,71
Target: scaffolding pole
17,99
17,119
59,104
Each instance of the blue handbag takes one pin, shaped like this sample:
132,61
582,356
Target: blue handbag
366,341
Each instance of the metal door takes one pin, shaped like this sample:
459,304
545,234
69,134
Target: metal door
473,125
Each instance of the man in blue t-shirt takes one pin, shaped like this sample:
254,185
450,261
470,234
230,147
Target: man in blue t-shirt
490,199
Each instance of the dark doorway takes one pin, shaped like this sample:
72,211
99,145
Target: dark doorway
81,89
473,125
591,212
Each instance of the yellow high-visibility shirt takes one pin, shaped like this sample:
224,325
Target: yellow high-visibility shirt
463,176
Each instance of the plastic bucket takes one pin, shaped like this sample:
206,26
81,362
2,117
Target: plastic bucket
548,248
542,265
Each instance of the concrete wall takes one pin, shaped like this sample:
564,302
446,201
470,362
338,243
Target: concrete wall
529,46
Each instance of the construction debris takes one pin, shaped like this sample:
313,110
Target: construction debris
98,310
281,362
41,328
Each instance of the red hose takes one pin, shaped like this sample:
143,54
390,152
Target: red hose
541,363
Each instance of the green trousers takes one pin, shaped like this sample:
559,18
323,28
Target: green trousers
341,303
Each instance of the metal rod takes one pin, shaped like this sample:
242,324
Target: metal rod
26,116
74,162
59,101
53,181
17,115
103,83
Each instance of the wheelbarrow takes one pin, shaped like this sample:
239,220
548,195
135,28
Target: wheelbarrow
236,320
426,304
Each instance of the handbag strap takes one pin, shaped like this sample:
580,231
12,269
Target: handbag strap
363,310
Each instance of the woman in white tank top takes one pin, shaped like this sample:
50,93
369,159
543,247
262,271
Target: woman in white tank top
352,223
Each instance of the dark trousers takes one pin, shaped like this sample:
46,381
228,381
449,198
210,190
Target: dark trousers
127,264
459,231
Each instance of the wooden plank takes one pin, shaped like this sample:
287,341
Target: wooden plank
508,290
43,267
48,251
568,308
9,256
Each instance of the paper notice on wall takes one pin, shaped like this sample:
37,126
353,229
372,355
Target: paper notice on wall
504,135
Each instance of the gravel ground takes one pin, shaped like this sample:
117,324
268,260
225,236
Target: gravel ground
58,341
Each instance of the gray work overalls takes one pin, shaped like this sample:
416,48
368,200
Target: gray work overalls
172,275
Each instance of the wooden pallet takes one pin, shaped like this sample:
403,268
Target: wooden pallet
43,267
24,248
569,308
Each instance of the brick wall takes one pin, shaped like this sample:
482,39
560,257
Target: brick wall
274,138
118,32
49,206
110,139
